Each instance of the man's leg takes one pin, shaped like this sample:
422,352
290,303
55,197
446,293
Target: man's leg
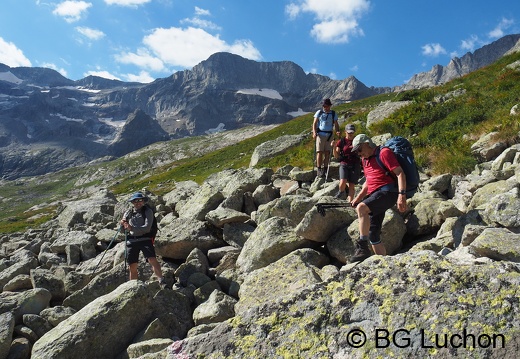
376,223
132,257
319,159
156,267
362,251
133,270
149,253
351,192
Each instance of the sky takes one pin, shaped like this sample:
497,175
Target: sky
380,42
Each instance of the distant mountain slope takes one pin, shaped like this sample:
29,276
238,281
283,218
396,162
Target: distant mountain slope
464,65
79,121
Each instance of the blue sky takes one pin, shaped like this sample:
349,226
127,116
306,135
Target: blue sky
380,42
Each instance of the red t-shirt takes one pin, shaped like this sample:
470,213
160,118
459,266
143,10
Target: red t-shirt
348,157
375,175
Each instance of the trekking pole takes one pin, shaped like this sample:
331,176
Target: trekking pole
321,207
328,166
105,252
314,160
126,245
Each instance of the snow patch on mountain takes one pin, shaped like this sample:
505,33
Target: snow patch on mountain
262,92
9,77
300,112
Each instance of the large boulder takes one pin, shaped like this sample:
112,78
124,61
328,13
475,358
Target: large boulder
97,208
291,273
271,240
104,328
274,147
320,223
407,298
181,235
498,244
31,301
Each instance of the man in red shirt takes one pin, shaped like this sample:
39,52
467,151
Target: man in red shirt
378,194
350,166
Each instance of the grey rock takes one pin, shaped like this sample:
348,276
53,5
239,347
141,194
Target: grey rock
92,327
498,244
155,345
271,240
31,301
217,308
7,324
272,148
18,283
43,278
221,216
181,236
37,324
286,276
320,227
384,110
57,314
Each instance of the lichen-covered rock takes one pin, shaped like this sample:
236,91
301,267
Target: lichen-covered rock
498,244
410,305
286,276
91,330
271,240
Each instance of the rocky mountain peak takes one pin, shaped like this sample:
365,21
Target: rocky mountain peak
138,131
461,66
224,92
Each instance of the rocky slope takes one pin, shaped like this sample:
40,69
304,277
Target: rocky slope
260,272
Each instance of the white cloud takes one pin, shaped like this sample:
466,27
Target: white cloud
336,20
292,10
62,71
12,56
337,31
354,68
71,11
100,73
143,77
201,12
141,59
89,33
198,22
205,24
130,3
433,50
183,46
469,44
501,28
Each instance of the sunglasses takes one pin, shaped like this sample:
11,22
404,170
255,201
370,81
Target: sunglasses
137,200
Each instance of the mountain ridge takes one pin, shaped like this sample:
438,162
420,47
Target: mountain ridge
41,108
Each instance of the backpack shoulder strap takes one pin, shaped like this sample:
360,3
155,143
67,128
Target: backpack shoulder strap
379,162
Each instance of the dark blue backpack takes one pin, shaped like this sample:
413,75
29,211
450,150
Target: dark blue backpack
403,151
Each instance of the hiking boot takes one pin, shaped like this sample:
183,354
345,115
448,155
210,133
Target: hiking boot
341,195
324,172
319,173
362,252
163,283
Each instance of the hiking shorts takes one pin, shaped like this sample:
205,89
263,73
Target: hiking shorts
324,142
350,172
133,249
378,202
